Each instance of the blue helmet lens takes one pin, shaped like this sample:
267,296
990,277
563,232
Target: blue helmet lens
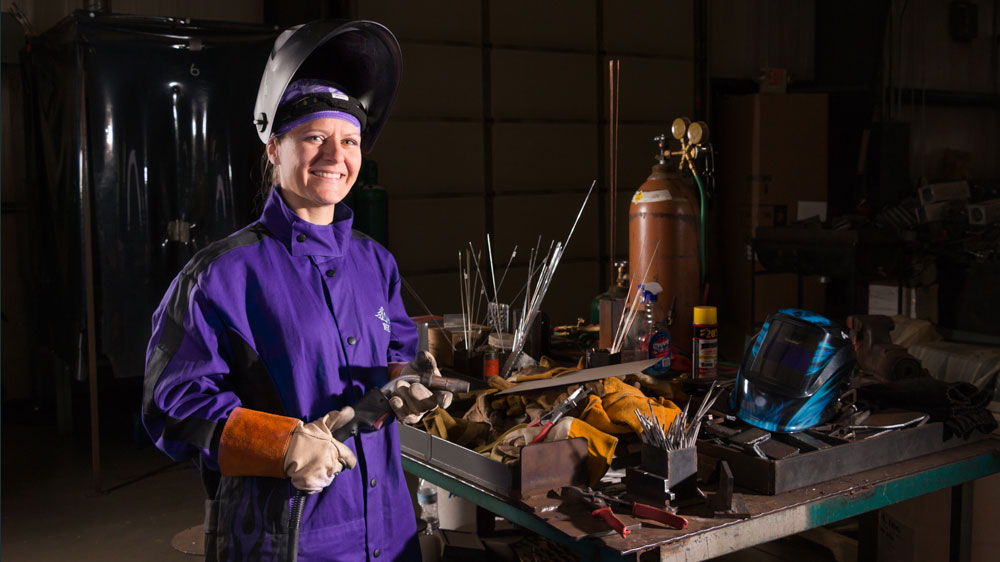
792,376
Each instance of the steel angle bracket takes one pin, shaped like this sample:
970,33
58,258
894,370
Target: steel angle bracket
552,465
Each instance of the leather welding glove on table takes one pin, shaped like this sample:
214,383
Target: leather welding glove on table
256,443
410,401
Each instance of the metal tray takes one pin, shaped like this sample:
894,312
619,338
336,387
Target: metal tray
805,469
543,467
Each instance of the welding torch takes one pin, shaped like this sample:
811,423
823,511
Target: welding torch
370,413
373,409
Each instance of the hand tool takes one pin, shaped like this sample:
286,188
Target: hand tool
602,503
647,511
550,418
601,509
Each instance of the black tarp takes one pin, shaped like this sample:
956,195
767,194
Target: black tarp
153,116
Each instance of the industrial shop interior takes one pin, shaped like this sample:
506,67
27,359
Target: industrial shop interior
500,280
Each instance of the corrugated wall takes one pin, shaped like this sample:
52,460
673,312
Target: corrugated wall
501,126
43,14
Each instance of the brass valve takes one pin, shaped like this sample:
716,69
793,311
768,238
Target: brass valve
692,137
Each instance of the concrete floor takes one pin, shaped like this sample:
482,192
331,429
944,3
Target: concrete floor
50,513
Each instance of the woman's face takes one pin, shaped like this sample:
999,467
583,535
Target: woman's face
318,163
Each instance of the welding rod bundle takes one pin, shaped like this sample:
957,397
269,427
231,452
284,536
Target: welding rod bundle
682,432
547,271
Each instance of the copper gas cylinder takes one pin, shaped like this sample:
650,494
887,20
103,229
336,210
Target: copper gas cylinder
665,210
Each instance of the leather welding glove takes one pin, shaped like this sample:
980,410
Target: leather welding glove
410,401
314,457
255,443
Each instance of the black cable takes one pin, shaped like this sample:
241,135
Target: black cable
294,522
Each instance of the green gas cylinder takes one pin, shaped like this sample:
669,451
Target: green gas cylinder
371,204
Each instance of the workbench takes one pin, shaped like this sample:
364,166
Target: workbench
772,517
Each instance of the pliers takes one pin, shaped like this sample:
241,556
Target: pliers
602,503
601,509
550,418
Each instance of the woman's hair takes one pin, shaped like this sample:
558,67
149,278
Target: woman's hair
268,177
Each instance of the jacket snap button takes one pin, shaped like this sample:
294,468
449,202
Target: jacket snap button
330,273
352,340
301,237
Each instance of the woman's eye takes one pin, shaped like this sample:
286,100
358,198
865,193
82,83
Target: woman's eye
316,138
351,142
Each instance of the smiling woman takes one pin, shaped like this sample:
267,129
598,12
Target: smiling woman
267,339
317,163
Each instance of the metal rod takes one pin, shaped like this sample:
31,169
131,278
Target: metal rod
614,66
620,335
507,267
579,214
88,273
462,282
479,277
496,297
420,301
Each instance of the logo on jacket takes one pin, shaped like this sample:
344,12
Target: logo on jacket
381,315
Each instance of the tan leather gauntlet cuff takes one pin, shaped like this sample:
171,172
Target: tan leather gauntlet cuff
254,443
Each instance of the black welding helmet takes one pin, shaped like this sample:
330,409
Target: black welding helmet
361,58
792,375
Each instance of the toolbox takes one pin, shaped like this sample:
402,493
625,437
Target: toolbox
771,476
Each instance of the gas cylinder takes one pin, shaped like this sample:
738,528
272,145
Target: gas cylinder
371,204
664,210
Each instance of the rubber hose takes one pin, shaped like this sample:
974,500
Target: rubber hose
701,233
294,521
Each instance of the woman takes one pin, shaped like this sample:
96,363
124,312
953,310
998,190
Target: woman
292,320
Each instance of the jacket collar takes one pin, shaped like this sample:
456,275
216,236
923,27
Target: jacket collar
303,238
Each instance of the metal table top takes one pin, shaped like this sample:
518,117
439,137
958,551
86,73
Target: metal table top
772,517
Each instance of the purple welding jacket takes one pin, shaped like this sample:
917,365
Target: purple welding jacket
294,319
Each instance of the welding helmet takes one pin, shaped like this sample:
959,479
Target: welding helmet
361,58
792,375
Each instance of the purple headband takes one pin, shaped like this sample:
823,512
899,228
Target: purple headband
306,100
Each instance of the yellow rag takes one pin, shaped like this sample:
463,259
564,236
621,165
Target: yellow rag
615,412
460,431
600,445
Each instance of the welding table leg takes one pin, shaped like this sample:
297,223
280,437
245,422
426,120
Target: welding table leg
961,523
486,522
587,550
868,536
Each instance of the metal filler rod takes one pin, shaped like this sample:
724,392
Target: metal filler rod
544,279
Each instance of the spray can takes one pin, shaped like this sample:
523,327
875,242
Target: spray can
706,342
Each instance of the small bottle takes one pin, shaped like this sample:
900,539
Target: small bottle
427,497
652,338
705,351
491,363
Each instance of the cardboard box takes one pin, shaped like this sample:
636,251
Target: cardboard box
918,302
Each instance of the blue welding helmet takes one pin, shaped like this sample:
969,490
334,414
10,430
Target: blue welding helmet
792,376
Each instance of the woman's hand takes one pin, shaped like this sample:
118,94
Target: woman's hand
314,457
411,400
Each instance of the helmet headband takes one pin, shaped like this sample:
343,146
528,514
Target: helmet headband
306,100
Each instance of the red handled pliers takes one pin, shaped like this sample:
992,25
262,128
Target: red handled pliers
552,417
602,503
601,509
